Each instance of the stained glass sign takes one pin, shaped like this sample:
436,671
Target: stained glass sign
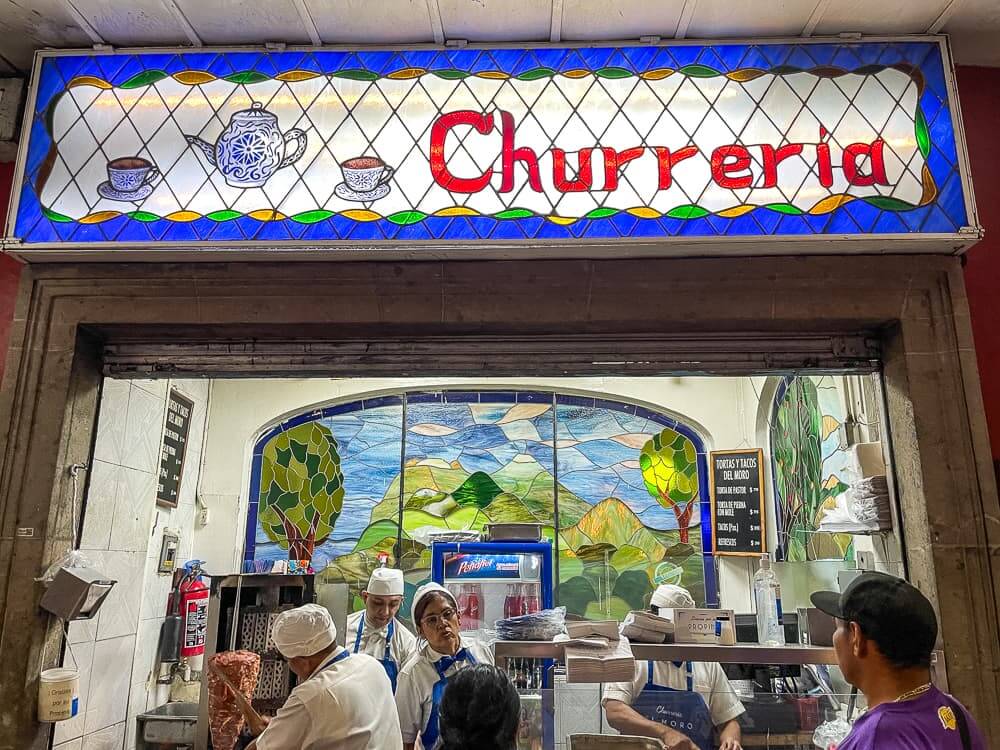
551,144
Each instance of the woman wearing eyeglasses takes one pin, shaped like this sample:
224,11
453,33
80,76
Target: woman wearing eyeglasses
423,678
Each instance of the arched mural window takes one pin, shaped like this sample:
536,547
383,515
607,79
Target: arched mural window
620,489
809,467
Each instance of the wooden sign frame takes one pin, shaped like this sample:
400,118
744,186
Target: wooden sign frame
759,452
174,395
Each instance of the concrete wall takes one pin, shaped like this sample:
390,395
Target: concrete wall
980,95
915,307
10,269
122,529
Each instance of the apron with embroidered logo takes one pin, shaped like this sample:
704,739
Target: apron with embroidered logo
682,710
429,737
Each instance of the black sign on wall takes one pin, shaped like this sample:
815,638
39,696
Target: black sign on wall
174,448
738,519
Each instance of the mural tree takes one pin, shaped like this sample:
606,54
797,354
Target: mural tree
301,489
796,443
669,465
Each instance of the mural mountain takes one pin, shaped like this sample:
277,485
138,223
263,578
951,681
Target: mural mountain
608,559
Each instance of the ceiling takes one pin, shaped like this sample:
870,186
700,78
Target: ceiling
27,25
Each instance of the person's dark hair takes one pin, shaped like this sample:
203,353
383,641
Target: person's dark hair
902,653
425,601
480,710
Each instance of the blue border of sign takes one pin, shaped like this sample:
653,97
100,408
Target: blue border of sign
946,214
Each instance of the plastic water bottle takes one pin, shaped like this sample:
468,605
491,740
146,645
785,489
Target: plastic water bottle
767,594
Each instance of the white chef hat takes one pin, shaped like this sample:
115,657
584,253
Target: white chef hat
669,596
386,582
303,631
428,588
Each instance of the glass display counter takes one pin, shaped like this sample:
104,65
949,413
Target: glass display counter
786,692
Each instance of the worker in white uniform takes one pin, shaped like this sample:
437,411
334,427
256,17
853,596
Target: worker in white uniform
422,680
375,630
343,701
678,703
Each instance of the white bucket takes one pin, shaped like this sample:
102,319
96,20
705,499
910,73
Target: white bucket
58,694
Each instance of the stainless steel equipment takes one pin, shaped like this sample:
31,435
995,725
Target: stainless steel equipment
241,612
174,725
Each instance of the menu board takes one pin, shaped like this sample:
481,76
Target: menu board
173,448
737,480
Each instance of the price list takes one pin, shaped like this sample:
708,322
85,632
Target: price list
173,448
737,478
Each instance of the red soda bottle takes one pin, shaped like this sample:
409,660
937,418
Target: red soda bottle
531,600
475,606
462,600
510,603
518,600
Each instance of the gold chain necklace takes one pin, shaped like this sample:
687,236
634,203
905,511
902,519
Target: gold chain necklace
913,693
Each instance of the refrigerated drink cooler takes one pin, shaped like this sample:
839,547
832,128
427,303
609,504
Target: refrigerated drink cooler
496,580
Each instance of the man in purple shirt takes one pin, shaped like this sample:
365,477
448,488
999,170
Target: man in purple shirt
886,630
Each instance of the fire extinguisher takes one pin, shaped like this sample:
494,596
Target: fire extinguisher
194,615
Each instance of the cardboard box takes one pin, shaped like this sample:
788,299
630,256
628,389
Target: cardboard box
698,625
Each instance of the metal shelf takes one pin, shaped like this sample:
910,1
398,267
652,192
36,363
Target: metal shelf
741,653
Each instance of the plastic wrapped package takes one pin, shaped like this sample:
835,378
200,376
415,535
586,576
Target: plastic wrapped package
830,734
427,535
538,626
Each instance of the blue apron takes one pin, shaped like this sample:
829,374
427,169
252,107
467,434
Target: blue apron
682,710
391,668
245,738
339,657
429,737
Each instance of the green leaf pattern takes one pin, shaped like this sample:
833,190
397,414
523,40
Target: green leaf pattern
301,488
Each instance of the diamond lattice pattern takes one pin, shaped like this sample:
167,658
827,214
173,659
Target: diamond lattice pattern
392,120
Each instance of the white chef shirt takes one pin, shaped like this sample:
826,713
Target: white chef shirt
709,681
415,687
404,643
347,706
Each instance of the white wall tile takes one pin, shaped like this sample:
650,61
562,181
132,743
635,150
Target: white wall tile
183,520
154,603
109,738
111,422
134,508
76,744
137,698
161,520
156,387
100,505
192,468
83,631
195,389
143,431
110,679
158,696
120,613
147,639
80,656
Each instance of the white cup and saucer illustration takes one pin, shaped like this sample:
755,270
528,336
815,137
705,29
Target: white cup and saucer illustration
366,179
130,179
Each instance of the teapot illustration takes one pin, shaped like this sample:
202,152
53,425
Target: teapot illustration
252,147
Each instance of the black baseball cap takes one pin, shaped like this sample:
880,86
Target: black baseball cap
890,611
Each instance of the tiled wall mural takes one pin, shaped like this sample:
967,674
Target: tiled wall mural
809,467
620,489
